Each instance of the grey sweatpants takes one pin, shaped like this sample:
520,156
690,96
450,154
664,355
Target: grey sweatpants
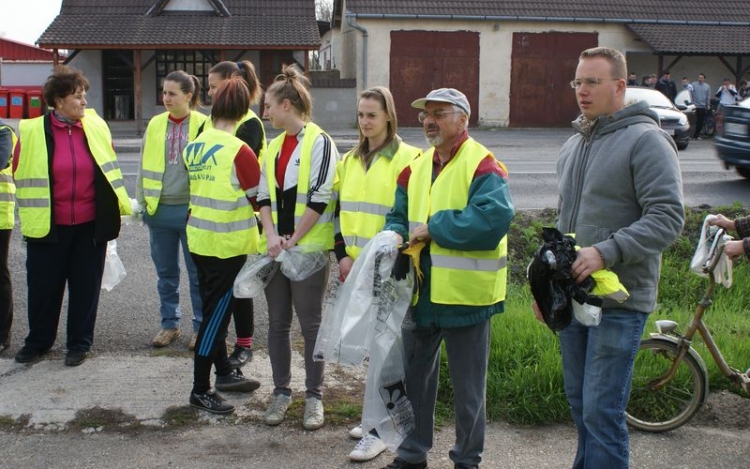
307,298
468,356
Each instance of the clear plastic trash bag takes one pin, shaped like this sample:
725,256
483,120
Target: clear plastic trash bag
369,302
114,270
300,262
253,277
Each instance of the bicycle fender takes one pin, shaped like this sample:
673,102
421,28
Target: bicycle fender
656,337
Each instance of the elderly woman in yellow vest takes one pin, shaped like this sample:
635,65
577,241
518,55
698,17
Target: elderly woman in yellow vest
162,190
7,220
366,186
251,131
70,196
296,208
221,231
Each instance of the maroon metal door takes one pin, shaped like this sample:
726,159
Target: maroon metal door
542,65
422,61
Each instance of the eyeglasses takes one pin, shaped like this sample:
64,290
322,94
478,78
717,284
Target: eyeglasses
438,114
590,82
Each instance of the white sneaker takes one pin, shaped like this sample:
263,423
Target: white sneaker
277,410
368,448
356,432
313,414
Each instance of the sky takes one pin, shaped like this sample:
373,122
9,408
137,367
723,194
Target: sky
25,20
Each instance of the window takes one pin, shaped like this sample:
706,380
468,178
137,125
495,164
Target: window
194,62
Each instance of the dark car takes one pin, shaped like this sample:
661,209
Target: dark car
733,137
671,119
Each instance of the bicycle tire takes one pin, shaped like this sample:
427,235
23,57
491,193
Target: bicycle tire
675,403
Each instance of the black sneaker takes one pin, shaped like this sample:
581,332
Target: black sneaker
75,357
27,355
399,463
240,357
210,401
236,382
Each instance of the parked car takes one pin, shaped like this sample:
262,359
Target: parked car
671,119
684,102
733,137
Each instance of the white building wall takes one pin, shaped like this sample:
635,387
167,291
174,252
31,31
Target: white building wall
90,63
24,73
495,43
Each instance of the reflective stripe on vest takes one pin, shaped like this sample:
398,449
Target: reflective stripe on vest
321,234
475,278
153,160
32,174
366,197
221,222
7,187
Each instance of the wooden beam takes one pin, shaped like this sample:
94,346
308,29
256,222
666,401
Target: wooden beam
138,94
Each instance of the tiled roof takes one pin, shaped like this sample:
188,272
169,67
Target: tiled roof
256,24
695,39
668,26
612,10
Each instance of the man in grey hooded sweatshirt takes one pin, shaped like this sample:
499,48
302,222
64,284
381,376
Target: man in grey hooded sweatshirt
621,194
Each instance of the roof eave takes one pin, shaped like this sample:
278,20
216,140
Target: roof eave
557,19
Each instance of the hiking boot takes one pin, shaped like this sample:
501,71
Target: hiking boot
210,401
276,411
356,432
368,448
193,340
27,355
240,356
314,418
399,463
75,357
165,337
234,381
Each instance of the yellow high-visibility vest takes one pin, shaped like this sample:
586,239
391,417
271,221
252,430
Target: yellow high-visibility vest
475,278
33,191
153,161
366,197
8,187
248,116
321,234
221,222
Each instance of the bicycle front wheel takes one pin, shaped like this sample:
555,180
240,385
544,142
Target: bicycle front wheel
671,405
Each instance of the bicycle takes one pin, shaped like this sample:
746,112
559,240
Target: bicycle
709,124
670,379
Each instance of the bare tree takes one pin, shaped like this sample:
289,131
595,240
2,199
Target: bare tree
324,10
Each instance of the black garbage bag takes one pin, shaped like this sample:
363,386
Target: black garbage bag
551,283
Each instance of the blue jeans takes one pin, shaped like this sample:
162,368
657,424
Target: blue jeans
597,370
167,232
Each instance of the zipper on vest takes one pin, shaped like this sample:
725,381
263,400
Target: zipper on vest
73,191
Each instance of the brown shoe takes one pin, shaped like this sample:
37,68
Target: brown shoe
165,337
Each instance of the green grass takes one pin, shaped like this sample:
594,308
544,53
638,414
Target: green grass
524,384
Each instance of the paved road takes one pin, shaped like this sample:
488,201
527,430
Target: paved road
126,376
530,155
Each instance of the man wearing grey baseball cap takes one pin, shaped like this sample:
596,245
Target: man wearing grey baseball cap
455,200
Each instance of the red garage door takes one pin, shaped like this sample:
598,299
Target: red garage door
425,60
542,65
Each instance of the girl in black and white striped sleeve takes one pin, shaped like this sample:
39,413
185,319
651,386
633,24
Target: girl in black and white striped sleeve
296,203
